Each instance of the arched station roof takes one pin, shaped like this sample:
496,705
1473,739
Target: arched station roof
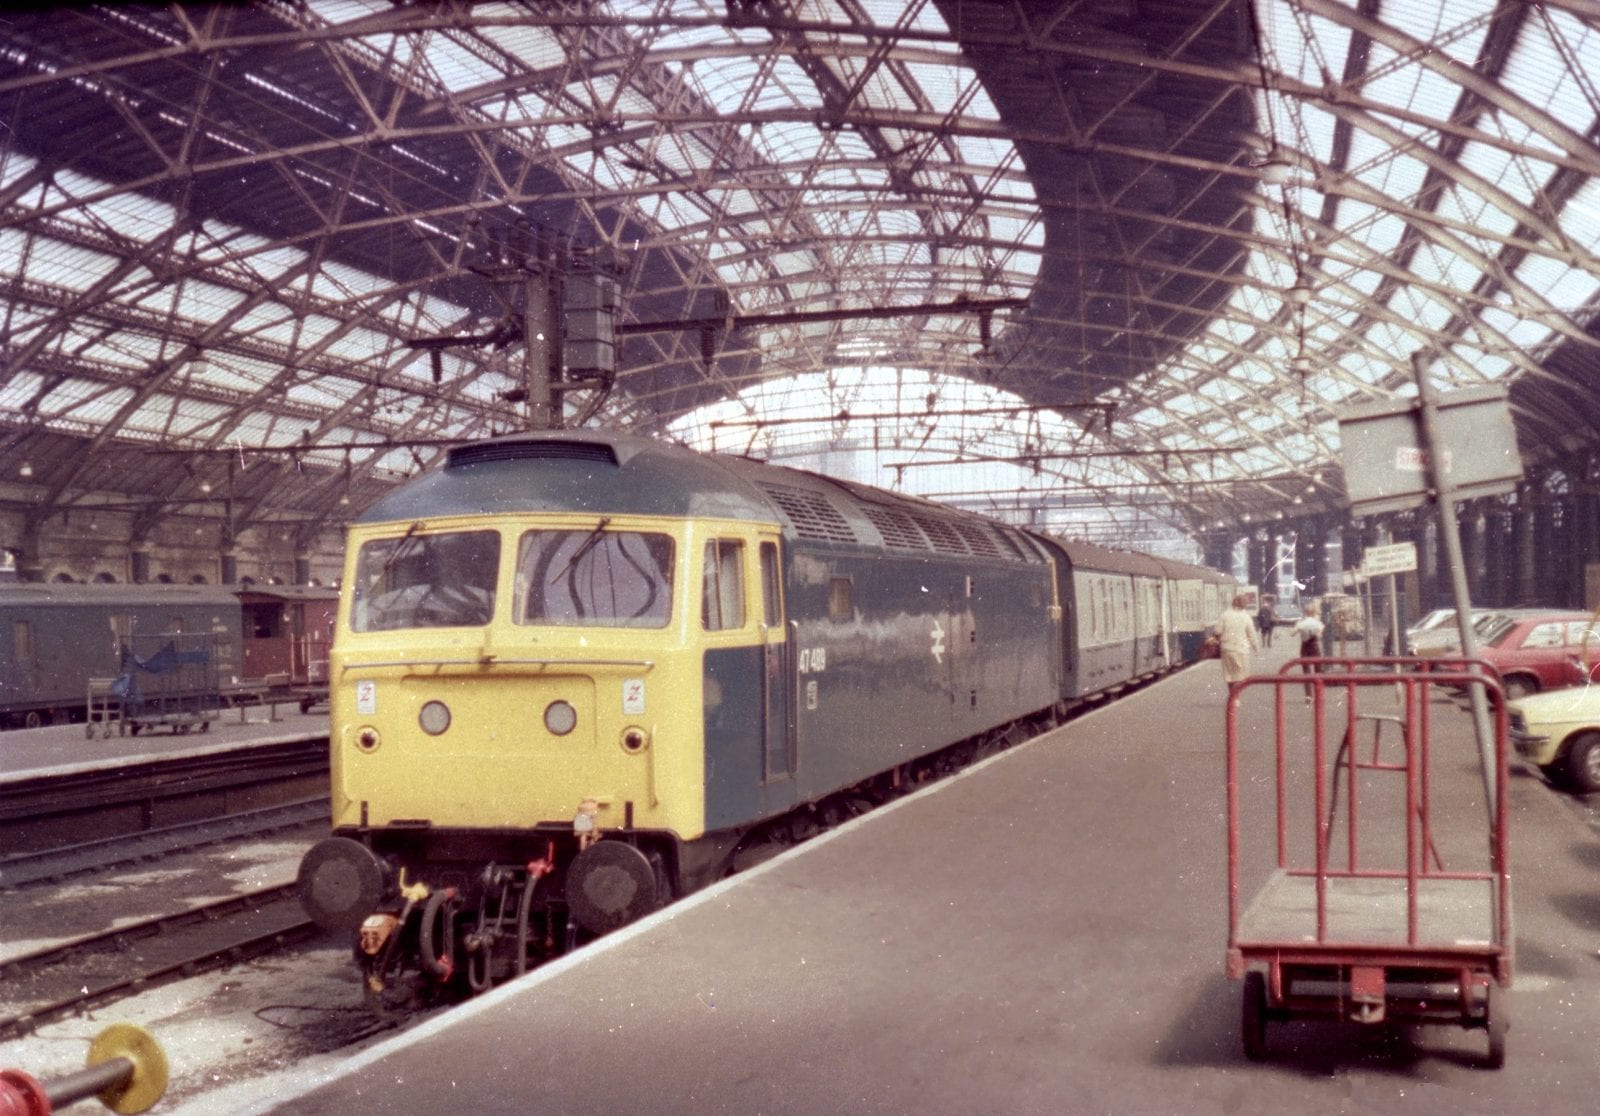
1169,240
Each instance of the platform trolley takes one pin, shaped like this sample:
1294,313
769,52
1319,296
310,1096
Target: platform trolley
171,679
1389,897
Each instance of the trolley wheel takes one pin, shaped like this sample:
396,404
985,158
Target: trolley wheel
88,731
32,719
1497,1020
1254,1016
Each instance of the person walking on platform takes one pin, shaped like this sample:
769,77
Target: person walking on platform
1237,640
1309,629
1266,617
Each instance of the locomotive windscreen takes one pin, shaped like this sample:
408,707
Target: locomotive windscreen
620,579
426,581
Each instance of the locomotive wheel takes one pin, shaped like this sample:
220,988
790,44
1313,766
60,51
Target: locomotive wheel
1253,1016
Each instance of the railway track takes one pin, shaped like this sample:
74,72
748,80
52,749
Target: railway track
55,810
74,976
111,853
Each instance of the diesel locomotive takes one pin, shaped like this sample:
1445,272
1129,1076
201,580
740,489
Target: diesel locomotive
576,674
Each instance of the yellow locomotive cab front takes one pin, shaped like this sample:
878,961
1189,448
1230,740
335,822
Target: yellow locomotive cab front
500,676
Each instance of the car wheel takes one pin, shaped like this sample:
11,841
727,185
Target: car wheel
1583,763
1519,686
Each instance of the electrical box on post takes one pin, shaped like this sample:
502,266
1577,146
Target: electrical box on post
590,340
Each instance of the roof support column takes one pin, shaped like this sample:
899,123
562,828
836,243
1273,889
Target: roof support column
30,563
139,564
1584,544
1497,555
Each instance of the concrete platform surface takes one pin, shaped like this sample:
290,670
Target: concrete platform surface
1045,933
58,750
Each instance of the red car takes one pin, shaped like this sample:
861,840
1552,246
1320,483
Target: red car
1542,651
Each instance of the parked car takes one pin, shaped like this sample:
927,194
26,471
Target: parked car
1444,640
1435,619
1542,651
1288,613
1559,733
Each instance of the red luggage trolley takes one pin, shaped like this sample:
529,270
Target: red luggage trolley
1361,919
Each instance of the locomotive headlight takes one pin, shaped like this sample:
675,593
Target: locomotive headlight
434,718
560,718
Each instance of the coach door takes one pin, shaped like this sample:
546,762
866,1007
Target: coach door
777,675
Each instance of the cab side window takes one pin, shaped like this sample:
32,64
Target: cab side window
722,597
771,592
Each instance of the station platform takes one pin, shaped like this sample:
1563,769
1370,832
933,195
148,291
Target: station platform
61,750
1044,933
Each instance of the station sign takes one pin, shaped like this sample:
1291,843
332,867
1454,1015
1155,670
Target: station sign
1385,468
1382,561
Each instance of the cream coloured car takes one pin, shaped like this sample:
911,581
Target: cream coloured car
1558,731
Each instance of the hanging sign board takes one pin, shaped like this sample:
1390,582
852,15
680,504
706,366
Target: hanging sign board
1381,561
1384,469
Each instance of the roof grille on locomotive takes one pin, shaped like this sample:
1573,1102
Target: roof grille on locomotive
530,449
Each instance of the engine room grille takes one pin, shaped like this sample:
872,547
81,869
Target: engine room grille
941,534
597,452
1014,545
810,514
897,528
978,539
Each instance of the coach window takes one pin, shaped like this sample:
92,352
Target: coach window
771,593
722,599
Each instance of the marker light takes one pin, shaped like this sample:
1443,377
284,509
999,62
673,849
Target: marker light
434,718
560,718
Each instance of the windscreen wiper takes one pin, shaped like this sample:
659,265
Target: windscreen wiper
400,548
584,547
